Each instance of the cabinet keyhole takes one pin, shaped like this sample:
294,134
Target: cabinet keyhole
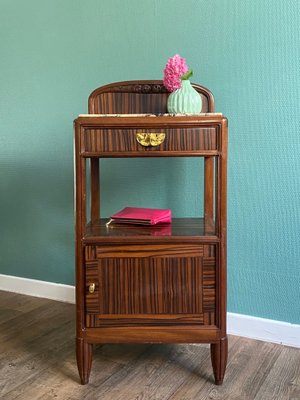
92,288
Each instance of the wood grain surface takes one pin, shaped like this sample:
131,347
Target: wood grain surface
37,361
176,140
138,97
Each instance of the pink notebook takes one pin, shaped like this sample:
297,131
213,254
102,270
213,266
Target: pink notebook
141,216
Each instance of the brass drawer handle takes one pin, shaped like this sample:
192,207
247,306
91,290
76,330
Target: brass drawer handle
150,139
92,287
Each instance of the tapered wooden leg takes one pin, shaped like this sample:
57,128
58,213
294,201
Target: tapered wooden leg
219,352
84,354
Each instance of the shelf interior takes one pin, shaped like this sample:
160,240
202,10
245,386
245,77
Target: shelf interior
180,227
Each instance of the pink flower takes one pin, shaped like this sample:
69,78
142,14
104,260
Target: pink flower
175,68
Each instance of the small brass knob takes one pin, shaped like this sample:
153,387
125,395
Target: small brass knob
92,288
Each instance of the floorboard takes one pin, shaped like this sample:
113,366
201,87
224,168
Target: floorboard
37,361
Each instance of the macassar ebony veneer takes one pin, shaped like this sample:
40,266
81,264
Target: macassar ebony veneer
160,284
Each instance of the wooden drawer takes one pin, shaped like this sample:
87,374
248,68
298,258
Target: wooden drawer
150,285
125,140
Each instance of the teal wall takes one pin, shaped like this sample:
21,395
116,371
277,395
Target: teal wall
54,53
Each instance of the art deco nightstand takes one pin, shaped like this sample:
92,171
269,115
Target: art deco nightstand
161,284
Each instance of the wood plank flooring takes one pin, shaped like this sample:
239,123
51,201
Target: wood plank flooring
37,361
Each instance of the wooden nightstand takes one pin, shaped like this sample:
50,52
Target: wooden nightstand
161,284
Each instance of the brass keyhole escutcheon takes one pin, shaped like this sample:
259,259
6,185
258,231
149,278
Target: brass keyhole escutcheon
92,287
150,139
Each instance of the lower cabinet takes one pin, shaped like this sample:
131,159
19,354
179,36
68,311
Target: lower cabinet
161,284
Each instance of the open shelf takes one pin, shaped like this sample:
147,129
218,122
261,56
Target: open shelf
180,229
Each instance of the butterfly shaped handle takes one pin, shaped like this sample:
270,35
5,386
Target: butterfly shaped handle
150,139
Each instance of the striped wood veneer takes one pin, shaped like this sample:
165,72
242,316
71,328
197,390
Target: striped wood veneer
180,139
140,284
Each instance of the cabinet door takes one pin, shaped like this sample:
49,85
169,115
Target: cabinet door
150,284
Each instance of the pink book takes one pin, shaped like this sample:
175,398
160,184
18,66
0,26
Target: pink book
141,216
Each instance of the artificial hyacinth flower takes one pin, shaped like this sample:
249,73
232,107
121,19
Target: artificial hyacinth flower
175,70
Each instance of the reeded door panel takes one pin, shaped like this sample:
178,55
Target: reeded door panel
156,286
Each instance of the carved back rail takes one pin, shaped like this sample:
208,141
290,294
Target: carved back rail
138,97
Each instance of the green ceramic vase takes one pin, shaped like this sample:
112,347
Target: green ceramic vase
185,100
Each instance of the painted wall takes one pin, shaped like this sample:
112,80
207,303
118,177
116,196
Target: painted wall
54,53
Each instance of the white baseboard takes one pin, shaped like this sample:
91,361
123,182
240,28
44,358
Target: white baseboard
264,329
238,324
33,287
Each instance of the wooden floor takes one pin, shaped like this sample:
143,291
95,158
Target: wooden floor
37,361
